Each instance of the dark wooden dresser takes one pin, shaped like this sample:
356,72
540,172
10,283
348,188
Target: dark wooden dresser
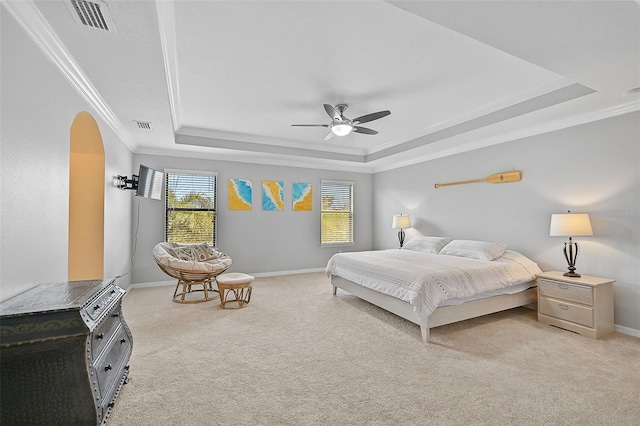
64,353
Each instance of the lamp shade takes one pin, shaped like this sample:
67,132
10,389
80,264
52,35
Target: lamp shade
401,221
570,225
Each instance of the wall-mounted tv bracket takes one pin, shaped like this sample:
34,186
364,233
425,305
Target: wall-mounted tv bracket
124,183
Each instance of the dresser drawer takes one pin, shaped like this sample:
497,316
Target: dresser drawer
105,330
573,292
110,366
582,315
101,303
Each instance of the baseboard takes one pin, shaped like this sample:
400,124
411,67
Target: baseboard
294,272
627,330
258,274
153,284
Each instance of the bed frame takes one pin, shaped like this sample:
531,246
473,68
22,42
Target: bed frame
443,315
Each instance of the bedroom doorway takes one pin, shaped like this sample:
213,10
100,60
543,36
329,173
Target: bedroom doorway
86,199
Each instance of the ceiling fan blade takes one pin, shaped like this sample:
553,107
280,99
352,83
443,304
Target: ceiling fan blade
311,125
333,113
370,117
364,130
329,136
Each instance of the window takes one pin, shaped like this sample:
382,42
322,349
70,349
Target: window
190,207
336,215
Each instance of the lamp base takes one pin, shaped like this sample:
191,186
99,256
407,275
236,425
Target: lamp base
401,237
571,254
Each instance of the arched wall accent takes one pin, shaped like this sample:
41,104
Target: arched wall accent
86,200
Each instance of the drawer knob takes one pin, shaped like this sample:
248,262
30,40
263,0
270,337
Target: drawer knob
96,307
100,336
108,367
116,315
564,286
123,340
563,306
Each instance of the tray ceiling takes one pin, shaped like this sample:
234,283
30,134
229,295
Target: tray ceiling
226,79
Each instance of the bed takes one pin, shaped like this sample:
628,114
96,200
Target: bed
433,281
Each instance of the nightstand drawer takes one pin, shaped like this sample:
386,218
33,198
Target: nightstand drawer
566,291
566,311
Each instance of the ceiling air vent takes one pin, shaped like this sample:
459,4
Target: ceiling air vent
144,125
94,14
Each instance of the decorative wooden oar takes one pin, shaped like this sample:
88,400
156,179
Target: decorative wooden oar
513,176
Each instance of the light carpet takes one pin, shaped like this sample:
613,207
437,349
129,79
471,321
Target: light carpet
297,355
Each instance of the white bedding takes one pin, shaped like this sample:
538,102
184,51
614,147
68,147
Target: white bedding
428,280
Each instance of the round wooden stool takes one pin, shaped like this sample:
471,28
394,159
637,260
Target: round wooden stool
237,284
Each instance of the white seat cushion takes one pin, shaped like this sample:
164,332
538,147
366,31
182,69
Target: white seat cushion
234,278
164,254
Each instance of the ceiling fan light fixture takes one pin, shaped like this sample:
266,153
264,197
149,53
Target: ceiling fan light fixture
342,126
341,129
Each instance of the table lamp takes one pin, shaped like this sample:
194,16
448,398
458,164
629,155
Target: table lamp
400,222
570,225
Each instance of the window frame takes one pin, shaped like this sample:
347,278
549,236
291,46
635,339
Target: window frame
351,184
168,172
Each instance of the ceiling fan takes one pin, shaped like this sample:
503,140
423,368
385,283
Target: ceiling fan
342,126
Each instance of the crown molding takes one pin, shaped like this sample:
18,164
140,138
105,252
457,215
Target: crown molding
218,154
389,162
528,106
167,28
222,139
547,127
29,17
504,104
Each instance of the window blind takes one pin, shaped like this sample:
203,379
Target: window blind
190,207
336,213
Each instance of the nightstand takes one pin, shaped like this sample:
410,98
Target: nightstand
583,305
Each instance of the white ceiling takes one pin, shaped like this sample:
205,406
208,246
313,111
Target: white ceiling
226,79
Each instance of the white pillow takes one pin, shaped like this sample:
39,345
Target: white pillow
426,244
474,249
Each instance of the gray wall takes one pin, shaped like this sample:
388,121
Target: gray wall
258,241
38,107
593,168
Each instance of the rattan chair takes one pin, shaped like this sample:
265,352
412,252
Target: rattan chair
190,273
